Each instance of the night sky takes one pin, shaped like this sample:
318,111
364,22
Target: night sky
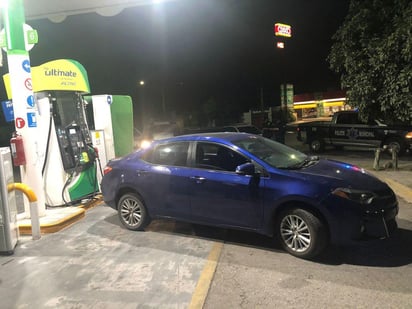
195,50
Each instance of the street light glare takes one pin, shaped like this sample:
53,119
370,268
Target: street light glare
141,82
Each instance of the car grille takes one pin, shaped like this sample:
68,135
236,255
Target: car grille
384,205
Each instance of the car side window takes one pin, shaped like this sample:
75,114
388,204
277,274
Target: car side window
174,154
349,118
217,157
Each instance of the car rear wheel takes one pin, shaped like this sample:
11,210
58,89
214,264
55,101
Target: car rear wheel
301,233
316,145
132,212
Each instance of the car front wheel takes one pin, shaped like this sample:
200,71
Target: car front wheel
316,145
132,212
301,233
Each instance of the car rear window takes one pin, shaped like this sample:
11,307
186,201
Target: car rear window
174,154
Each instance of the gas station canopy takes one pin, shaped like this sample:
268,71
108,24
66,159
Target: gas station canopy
57,11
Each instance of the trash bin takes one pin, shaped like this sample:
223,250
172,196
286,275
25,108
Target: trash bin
9,230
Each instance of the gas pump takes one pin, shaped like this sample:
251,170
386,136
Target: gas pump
64,143
68,137
110,119
113,115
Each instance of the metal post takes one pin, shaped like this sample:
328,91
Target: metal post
394,151
22,93
377,159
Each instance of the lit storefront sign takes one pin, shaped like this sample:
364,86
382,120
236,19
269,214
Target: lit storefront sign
283,30
320,108
302,106
313,103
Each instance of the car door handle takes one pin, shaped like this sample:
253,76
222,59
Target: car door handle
198,179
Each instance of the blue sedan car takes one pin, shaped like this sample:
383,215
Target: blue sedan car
245,181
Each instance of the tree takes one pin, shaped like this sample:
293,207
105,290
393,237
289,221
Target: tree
372,52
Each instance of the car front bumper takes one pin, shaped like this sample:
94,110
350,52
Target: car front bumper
350,223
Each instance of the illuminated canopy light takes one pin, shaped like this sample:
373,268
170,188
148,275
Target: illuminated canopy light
4,4
283,30
57,11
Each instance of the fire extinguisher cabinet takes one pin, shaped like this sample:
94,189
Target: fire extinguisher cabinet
9,230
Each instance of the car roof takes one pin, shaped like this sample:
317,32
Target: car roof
210,137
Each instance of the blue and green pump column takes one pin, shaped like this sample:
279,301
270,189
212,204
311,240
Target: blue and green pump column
23,99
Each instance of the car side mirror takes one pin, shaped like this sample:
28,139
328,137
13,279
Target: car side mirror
246,169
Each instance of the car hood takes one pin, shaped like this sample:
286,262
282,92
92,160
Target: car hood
340,174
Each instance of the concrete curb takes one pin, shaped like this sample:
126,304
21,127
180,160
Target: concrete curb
400,190
55,224
46,228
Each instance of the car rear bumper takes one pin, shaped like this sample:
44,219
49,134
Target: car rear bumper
110,203
409,145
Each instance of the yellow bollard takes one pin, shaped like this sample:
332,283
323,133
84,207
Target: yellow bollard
34,212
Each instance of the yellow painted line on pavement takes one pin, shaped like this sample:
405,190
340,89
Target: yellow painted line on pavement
203,285
400,189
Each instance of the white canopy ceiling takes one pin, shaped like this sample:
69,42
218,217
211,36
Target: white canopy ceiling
57,10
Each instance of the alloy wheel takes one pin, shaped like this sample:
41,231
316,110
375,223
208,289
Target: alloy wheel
131,212
295,233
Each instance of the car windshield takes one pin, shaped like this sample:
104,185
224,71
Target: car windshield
274,153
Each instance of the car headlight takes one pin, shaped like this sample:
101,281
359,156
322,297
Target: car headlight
360,196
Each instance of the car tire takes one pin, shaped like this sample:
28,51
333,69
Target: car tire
316,145
132,212
301,233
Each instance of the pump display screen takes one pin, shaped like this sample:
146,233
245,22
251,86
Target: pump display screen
71,129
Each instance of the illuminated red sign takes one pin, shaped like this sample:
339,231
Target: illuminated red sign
283,30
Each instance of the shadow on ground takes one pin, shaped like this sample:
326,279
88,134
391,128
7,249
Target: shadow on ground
393,252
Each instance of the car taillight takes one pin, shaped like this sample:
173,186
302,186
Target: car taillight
107,170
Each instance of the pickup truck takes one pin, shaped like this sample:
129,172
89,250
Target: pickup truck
347,129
